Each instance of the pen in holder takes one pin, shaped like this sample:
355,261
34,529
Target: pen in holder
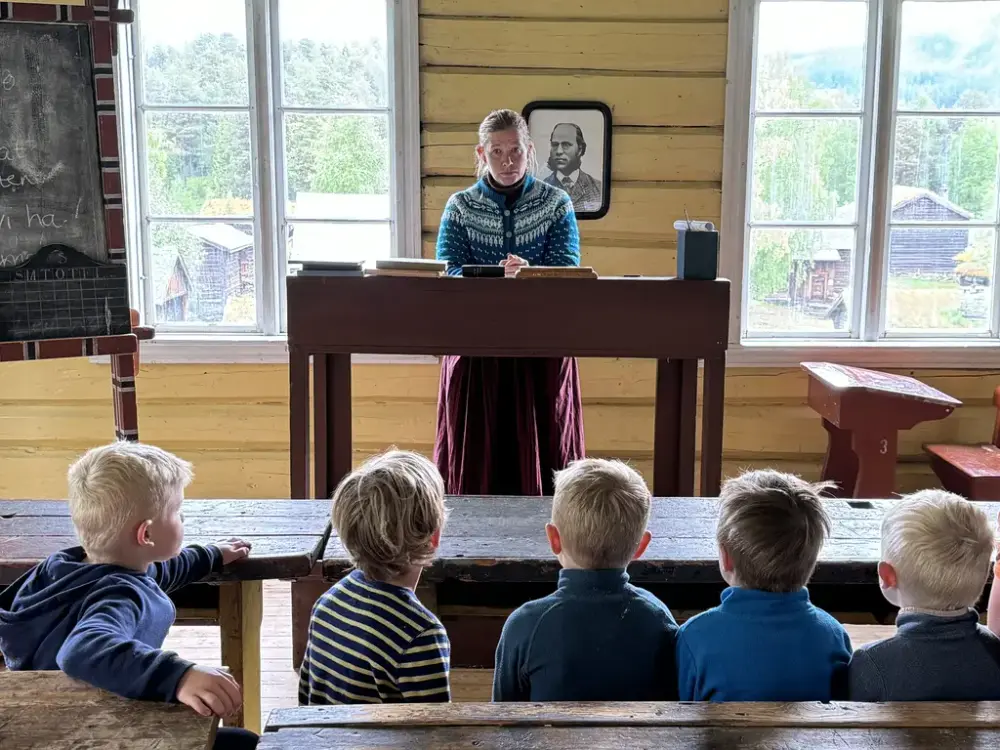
697,250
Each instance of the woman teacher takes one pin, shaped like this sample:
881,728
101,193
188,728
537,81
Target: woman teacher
505,424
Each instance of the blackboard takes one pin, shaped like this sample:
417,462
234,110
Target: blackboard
50,187
56,280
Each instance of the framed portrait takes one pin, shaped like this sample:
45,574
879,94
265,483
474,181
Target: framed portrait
573,144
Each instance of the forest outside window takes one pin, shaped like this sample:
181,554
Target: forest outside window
869,199
263,133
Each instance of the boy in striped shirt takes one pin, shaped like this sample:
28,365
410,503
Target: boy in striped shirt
370,638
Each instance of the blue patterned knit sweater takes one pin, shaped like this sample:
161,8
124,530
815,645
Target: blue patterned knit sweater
478,229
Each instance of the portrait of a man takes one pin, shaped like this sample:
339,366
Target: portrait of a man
567,147
573,142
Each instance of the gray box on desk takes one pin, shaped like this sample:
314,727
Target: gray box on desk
697,255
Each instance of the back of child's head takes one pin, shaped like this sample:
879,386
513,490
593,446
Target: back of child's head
114,485
601,509
940,545
773,526
387,512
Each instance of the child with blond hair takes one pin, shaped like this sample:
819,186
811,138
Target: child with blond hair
100,611
936,551
370,638
766,641
597,637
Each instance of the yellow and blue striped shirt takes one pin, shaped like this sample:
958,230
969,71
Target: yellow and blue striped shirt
372,642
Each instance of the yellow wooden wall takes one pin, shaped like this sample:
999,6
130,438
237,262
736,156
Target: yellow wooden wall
660,65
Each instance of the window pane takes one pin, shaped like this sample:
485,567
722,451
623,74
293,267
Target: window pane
203,273
347,242
950,55
805,169
811,55
194,52
940,279
799,280
337,166
334,53
199,164
946,168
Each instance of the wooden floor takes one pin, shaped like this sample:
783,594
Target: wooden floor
279,688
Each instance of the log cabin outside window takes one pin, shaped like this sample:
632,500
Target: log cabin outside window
260,133
862,144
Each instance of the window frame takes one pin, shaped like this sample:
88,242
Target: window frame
264,341
872,345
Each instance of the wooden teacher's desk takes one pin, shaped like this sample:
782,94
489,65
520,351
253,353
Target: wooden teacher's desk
677,323
287,537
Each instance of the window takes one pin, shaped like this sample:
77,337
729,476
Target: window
263,133
868,192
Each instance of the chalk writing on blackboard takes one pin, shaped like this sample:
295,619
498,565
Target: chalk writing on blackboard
49,169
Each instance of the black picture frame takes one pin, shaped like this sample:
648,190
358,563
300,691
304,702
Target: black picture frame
546,115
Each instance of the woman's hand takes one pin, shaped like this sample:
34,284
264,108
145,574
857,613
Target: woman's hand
512,263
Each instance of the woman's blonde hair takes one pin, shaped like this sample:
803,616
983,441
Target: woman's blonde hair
498,121
387,512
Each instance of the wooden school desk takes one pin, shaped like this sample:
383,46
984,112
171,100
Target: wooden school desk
612,726
494,556
287,538
45,710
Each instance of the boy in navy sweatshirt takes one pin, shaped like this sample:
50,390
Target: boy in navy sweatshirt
100,611
766,642
597,638
936,550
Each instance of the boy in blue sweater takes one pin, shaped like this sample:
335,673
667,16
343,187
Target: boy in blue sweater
597,638
766,641
936,550
100,611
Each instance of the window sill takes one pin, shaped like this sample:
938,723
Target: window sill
216,348
219,349
968,355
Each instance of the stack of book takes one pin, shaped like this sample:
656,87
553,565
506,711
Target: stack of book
329,268
556,272
412,267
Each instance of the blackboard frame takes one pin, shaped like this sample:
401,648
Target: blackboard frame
98,16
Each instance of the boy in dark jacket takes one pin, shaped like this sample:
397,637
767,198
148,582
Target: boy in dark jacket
100,612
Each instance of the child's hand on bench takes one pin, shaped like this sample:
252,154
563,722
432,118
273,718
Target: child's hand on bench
233,549
209,691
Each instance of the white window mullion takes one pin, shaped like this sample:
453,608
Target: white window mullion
278,142
262,165
995,320
145,240
859,313
124,70
877,268
404,127
736,188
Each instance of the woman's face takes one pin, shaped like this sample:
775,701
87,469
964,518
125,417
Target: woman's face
506,156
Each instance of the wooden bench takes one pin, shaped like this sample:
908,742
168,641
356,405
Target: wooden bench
494,556
49,711
613,726
970,470
287,537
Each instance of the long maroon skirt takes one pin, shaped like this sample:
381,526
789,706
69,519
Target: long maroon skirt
505,424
